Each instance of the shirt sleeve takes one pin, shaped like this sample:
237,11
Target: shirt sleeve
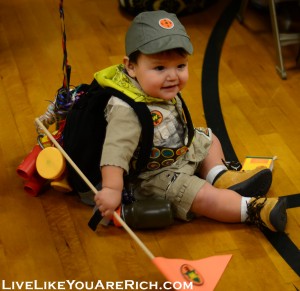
122,135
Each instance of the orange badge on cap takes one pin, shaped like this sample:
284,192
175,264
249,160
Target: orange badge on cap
166,23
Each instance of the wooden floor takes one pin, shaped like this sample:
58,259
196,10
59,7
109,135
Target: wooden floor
46,238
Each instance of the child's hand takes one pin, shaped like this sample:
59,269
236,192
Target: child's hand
107,200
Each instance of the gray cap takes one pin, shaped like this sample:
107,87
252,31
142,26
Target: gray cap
156,31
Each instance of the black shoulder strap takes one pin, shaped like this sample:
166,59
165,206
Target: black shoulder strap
147,132
146,121
188,120
145,118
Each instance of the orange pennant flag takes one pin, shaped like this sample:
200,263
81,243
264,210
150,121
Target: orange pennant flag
202,274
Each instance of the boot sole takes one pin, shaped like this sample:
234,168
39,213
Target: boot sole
256,186
278,215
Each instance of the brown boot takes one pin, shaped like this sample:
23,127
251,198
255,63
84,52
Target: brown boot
252,183
267,212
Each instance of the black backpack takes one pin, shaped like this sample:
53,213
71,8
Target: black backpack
85,129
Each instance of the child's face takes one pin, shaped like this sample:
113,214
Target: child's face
160,75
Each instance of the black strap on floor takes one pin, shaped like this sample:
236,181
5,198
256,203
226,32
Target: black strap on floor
214,118
285,247
293,200
210,80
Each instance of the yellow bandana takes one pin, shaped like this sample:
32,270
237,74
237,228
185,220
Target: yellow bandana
115,77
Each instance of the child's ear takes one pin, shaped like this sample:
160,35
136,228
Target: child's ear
129,66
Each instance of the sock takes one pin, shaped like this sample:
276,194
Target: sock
214,172
244,208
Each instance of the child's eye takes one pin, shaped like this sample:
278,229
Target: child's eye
181,66
159,68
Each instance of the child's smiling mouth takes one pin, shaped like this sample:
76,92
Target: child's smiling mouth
170,87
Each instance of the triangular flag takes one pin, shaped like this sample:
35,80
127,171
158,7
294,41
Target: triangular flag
202,274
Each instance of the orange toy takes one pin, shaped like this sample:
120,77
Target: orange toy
50,163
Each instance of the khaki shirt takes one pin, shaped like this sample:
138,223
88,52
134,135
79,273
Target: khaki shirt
123,133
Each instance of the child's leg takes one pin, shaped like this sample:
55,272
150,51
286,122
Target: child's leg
213,159
228,206
247,183
218,204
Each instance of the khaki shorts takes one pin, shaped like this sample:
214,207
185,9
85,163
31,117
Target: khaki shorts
178,188
178,183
